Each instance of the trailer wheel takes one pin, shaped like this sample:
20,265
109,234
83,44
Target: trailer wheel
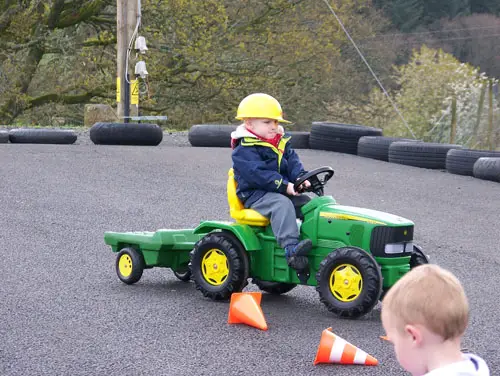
129,265
183,274
274,288
349,282
218,266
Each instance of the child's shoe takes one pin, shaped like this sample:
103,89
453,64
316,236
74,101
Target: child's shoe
296,254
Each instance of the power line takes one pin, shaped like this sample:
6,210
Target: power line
368,65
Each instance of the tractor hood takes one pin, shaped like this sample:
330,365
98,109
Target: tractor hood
364,215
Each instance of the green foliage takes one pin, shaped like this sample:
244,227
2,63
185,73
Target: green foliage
408,15
427,86
204,56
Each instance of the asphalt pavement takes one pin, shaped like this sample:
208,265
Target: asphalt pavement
65,312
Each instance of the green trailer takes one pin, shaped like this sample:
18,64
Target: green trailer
357,255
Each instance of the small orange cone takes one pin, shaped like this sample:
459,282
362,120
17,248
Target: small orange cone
334,349
244,308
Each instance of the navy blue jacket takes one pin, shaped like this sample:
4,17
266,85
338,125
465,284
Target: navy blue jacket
259,167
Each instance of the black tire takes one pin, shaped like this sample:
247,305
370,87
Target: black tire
371,279
487,169
461,161
211,135
299,140
42,136
4,137
418,257
274,288
183,274
130,271
342,138
377,147
218,244
420,154
141,134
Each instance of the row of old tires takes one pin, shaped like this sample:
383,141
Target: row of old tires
38,136
101,134
369,142
482,164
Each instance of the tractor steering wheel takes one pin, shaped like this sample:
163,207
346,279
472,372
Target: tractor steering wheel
317,183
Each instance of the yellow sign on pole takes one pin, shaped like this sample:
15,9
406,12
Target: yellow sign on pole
134,92
118,89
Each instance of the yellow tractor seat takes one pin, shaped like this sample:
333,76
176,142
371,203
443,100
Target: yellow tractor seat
236,208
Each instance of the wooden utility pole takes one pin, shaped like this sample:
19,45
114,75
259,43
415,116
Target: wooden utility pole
126,21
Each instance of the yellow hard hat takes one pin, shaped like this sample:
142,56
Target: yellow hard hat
260,105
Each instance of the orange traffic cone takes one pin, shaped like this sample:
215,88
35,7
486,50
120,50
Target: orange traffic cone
244,308
334,349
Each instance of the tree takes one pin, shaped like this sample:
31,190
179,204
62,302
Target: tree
428,85
47,37
204,56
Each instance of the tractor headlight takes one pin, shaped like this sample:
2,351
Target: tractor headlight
398,248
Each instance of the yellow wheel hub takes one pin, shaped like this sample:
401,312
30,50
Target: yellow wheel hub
346,282
125,265
215,267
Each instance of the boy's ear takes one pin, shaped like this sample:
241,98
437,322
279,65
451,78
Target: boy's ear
248,123
414,333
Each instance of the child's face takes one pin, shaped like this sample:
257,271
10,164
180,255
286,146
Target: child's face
406,344
266,128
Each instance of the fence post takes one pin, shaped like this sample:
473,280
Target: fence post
490,116
453,131
480,111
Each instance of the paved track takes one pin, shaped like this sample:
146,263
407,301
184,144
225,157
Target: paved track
64,311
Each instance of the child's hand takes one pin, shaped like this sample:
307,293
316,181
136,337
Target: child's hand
290,190
306,184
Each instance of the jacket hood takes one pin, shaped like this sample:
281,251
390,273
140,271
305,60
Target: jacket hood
241,131
472,365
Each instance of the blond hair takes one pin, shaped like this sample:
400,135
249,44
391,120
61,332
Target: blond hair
430,296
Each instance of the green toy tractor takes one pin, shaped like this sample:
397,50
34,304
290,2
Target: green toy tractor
357,255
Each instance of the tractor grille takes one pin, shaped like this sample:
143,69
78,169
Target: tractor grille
382,235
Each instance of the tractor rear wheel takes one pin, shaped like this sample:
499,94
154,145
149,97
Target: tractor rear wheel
274,288
349,282
218,265
129,265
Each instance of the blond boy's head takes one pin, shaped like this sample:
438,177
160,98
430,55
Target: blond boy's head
425,314
430,296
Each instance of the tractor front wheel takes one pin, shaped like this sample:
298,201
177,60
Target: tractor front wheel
218,265
129,265
418,257
349,282
274,288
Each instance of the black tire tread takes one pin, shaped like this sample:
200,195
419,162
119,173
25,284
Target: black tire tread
210,135
420,154
237,273
4,137
140,134
487,169
42,136
372,282
138,265
461,161
342,138
274,288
